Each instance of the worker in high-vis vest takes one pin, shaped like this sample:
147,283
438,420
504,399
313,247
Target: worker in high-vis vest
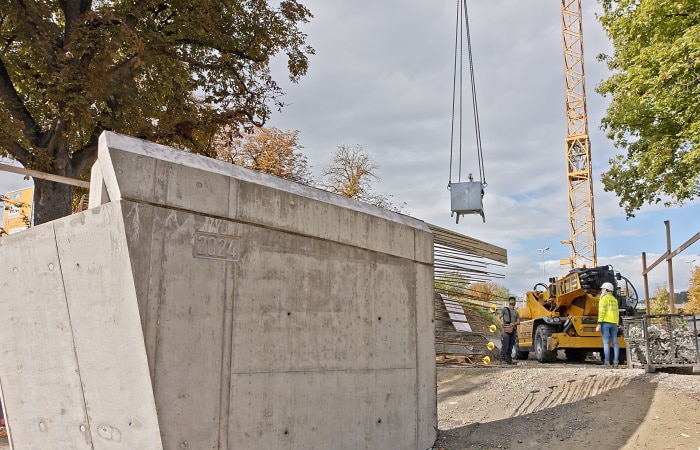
608,319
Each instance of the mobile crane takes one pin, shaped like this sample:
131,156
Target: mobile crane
563,314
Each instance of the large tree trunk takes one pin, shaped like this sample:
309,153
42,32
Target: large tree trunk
51,200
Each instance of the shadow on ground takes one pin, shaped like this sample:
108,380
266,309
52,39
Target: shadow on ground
593,413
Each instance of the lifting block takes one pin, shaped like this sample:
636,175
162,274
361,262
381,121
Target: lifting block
467,198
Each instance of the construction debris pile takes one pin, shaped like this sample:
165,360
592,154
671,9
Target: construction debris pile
675,347
662,340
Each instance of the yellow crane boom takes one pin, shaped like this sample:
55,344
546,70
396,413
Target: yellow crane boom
578,150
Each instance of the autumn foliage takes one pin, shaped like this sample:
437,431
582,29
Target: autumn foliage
265,149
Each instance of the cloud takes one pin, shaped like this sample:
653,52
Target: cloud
383,78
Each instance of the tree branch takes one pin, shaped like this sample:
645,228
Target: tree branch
18,153
84,157
15,105
72,10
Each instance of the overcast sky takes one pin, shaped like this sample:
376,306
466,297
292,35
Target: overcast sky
382,78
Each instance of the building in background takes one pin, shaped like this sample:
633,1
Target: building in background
17,214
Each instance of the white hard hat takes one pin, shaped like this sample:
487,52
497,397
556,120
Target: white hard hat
608,287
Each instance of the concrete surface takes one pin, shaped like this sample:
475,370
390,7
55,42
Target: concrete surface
198,304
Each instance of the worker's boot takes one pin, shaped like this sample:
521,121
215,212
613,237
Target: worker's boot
615,364
606,364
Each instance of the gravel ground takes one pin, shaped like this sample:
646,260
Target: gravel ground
533,406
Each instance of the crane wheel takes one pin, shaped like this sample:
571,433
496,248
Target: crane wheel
543,355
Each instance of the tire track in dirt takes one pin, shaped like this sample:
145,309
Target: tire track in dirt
572,391
551,406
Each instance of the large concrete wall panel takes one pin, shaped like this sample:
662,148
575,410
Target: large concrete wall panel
38,369
191,333
285,210
242,310
187,186
180,178
291,310
426,373
86,333
336,405
107,332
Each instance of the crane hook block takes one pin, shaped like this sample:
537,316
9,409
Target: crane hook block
467,198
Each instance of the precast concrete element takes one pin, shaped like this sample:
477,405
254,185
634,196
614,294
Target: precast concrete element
198,304
73,366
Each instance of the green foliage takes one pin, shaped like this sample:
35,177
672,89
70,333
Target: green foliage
654,113
171,72
476,297
452,284
680,297
490,292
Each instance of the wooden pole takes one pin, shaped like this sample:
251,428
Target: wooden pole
45,176
646,282
669,262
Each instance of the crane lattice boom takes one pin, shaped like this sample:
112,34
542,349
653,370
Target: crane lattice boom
578,150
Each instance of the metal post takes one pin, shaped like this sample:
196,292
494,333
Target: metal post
542,250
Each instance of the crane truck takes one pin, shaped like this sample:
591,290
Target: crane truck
563,314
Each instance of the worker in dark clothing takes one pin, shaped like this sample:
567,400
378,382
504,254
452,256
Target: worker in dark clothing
509,323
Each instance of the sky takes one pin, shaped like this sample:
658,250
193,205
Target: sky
382,78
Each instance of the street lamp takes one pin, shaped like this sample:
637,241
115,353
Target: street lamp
542,250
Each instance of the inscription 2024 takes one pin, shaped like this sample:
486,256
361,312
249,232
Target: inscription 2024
216,246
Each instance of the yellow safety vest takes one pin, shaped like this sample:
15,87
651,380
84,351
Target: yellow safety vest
608,309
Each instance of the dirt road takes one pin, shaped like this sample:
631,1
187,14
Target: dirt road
534,406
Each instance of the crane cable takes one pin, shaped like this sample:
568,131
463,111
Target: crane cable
463,19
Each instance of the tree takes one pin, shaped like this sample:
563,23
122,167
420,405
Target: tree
489,291
451,283
170,72
654,113
693,305
475,298
351,176
660,301
266,149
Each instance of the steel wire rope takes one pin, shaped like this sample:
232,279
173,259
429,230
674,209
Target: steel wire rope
458,56
477,126
462,29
